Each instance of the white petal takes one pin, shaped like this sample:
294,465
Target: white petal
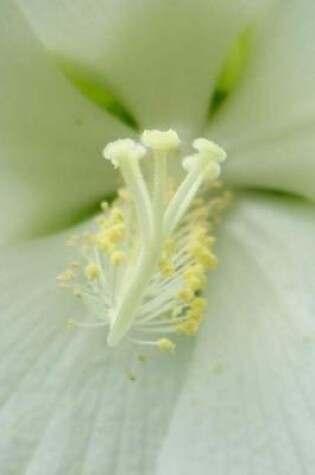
247,404
66,406
51,136
268,125
162,57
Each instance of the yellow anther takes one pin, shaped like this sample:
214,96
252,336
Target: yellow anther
92,271
186,294
195,315
203,256
188,328
195,283
201,233
208,259
196,270
116,232
117,257
104,244
166,267
77,293
165,345
198,303
159,140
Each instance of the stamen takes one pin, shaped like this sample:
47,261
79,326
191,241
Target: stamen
142,269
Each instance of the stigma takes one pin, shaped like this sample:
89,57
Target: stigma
142,268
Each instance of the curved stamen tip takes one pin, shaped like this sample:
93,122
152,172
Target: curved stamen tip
210,168
123,149
159,140
210,149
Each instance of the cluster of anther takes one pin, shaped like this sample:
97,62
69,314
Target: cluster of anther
143,266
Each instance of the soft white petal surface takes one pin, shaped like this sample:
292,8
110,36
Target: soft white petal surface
50,136
66,406
247,405
268,124
246,401
161,57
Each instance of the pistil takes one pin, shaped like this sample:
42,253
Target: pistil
143,268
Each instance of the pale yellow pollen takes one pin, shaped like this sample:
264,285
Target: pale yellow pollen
166,267
165,345
198,303
104,243
117,257
194,282
194,315
204,256
92,271
188,328
186,294
115,233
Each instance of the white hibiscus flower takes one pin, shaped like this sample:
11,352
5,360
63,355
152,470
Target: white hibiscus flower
238,397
